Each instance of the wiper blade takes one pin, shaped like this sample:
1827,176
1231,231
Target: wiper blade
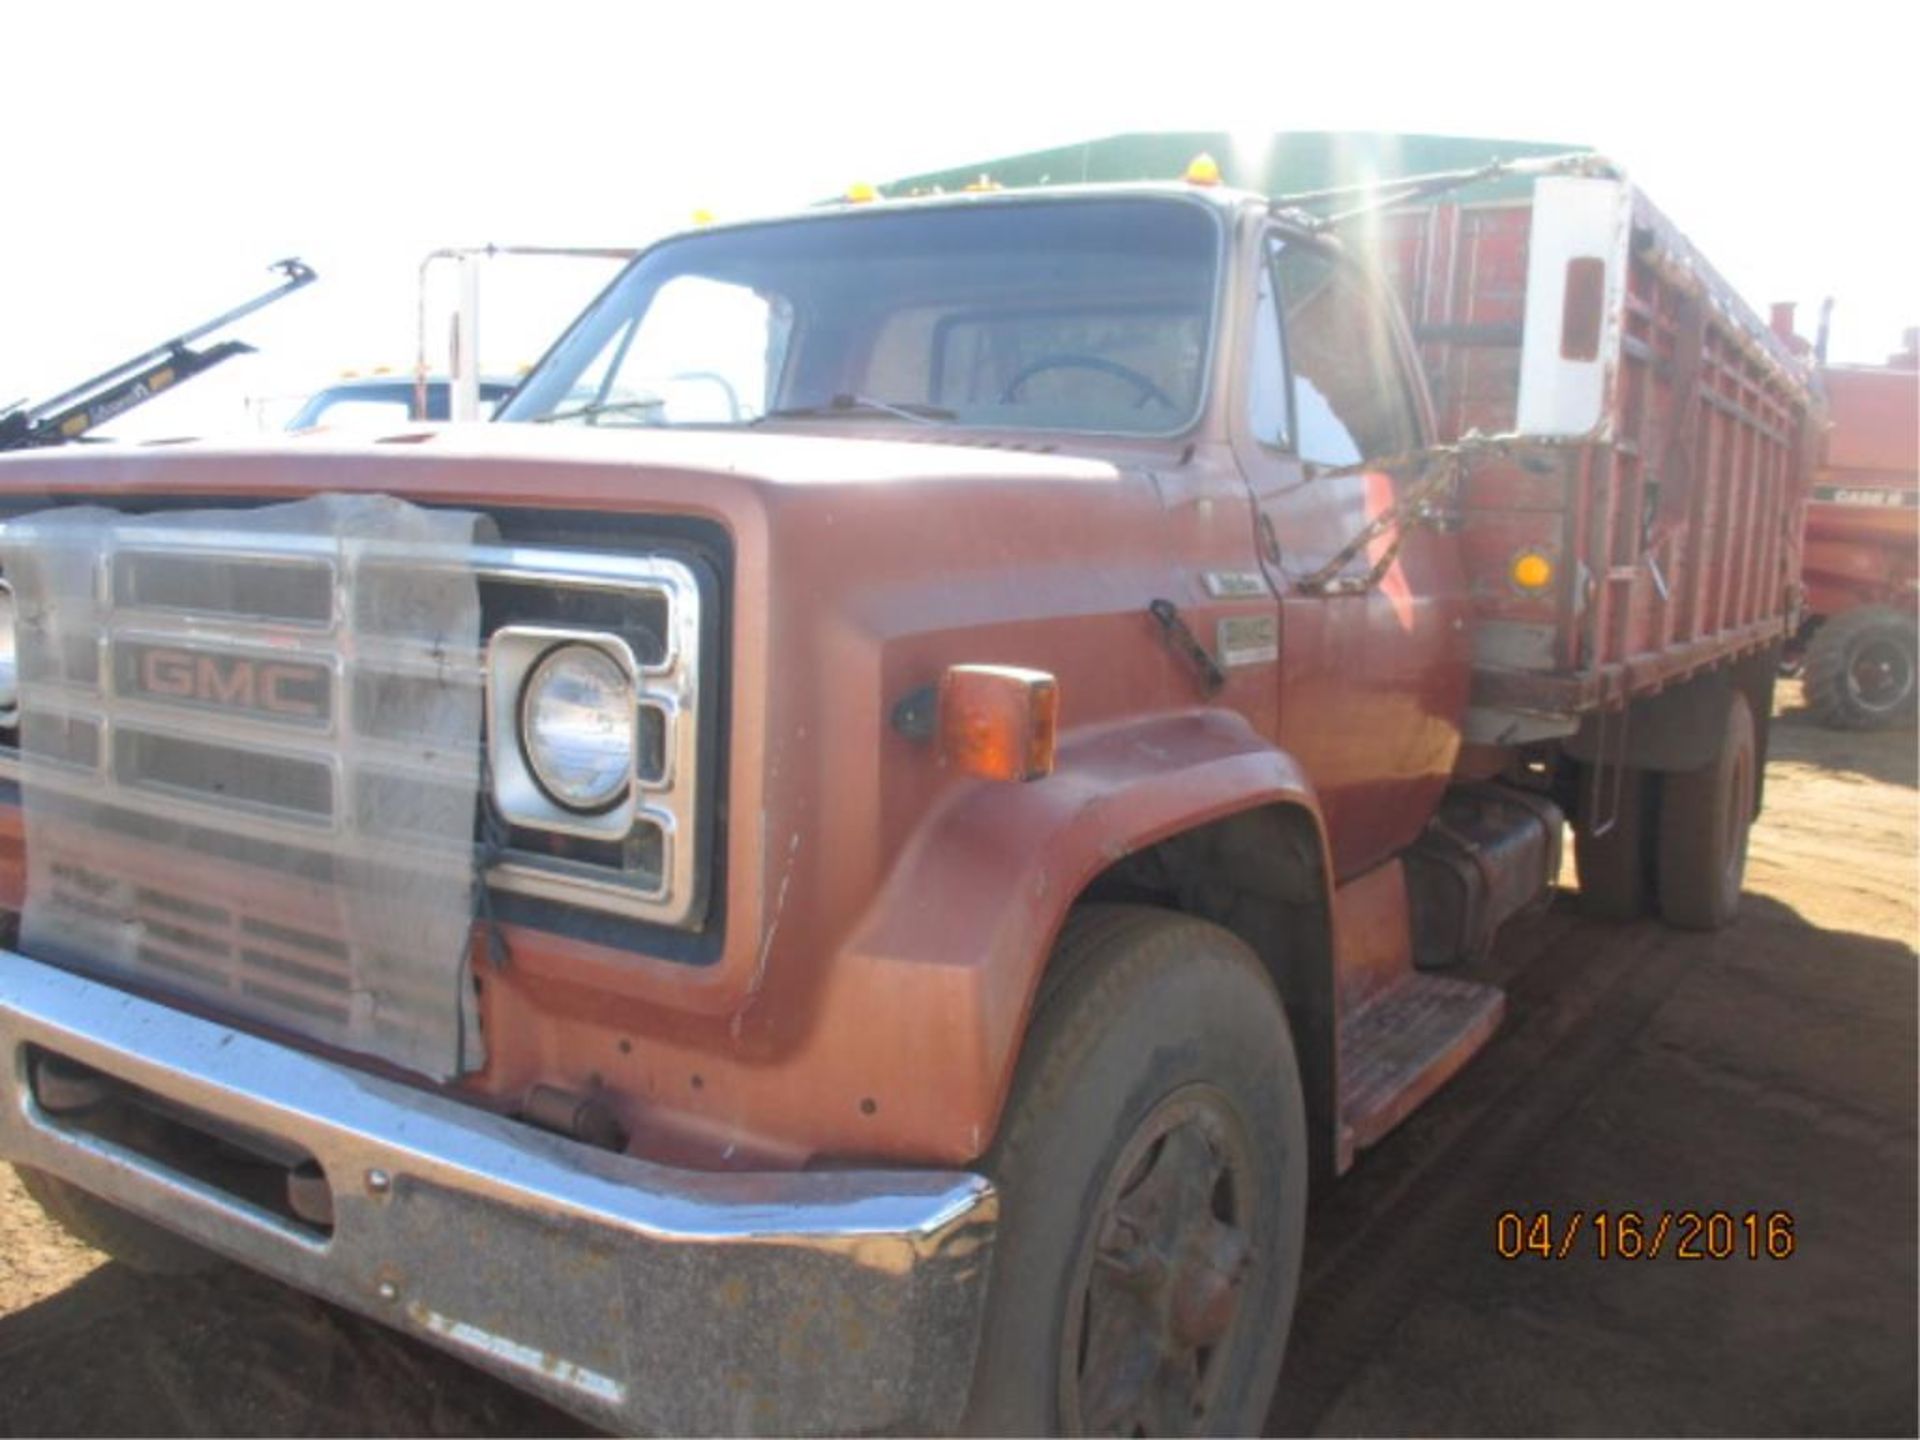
603,407
841,405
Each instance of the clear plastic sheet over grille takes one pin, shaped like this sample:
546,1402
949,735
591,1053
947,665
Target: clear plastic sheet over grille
250,760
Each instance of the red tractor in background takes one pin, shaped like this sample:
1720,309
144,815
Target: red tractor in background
1857,645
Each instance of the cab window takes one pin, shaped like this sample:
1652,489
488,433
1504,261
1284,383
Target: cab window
1350,397
1268,413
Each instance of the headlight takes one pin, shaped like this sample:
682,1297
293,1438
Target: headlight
9,658
578,727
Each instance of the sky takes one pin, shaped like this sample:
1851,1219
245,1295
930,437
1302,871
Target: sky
159,157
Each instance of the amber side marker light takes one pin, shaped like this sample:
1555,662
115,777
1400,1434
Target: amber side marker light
998,722
1532,571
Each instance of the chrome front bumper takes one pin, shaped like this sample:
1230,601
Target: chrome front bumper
637,1297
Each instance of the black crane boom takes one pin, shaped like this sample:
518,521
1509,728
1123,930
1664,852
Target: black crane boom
90,404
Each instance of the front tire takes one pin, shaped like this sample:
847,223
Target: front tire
1152,1167
135,1242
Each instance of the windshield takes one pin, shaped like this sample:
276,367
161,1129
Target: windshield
1088,315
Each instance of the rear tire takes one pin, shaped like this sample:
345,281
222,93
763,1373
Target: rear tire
1705,817
1860,670
137,1243
1616,868
1152,1168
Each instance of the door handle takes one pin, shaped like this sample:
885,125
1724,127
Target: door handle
1269,541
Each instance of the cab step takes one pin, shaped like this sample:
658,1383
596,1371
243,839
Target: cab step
1407,1041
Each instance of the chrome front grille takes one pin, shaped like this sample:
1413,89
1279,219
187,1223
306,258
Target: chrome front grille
278,589
216,947
202,694
184,684
218,684
255,751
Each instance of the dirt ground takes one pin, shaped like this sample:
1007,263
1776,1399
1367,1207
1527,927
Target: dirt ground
1769,1068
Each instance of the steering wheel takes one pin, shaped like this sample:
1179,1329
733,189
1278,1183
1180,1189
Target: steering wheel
1148,390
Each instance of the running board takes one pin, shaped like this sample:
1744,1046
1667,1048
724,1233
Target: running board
1404,1043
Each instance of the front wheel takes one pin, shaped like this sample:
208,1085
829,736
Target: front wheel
1152,1168
137,1243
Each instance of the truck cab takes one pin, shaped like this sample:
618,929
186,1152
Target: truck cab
859,847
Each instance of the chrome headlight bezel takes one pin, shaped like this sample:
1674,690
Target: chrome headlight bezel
658,604
647,859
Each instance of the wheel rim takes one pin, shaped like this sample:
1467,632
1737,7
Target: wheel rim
1156,1299
1879,674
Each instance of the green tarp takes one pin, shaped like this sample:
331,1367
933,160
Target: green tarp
1268,164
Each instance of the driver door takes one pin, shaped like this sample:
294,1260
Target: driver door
1373,675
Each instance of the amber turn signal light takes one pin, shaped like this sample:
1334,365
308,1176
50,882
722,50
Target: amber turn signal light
998,722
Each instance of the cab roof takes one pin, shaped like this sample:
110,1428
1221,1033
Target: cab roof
1224,199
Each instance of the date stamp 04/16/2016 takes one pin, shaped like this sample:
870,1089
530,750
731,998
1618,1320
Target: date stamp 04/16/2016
1644,1234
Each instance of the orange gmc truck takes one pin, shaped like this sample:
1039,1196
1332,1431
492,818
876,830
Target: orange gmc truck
847,862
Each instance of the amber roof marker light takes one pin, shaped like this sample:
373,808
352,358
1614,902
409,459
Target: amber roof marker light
1203,169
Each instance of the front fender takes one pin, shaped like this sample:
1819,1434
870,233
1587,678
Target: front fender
905,1052
981,891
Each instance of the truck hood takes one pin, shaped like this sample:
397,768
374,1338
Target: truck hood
519,464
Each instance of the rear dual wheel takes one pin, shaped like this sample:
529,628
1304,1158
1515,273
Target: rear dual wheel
1705,816
1678,841
1616,864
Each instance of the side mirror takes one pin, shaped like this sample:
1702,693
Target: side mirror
1577,260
